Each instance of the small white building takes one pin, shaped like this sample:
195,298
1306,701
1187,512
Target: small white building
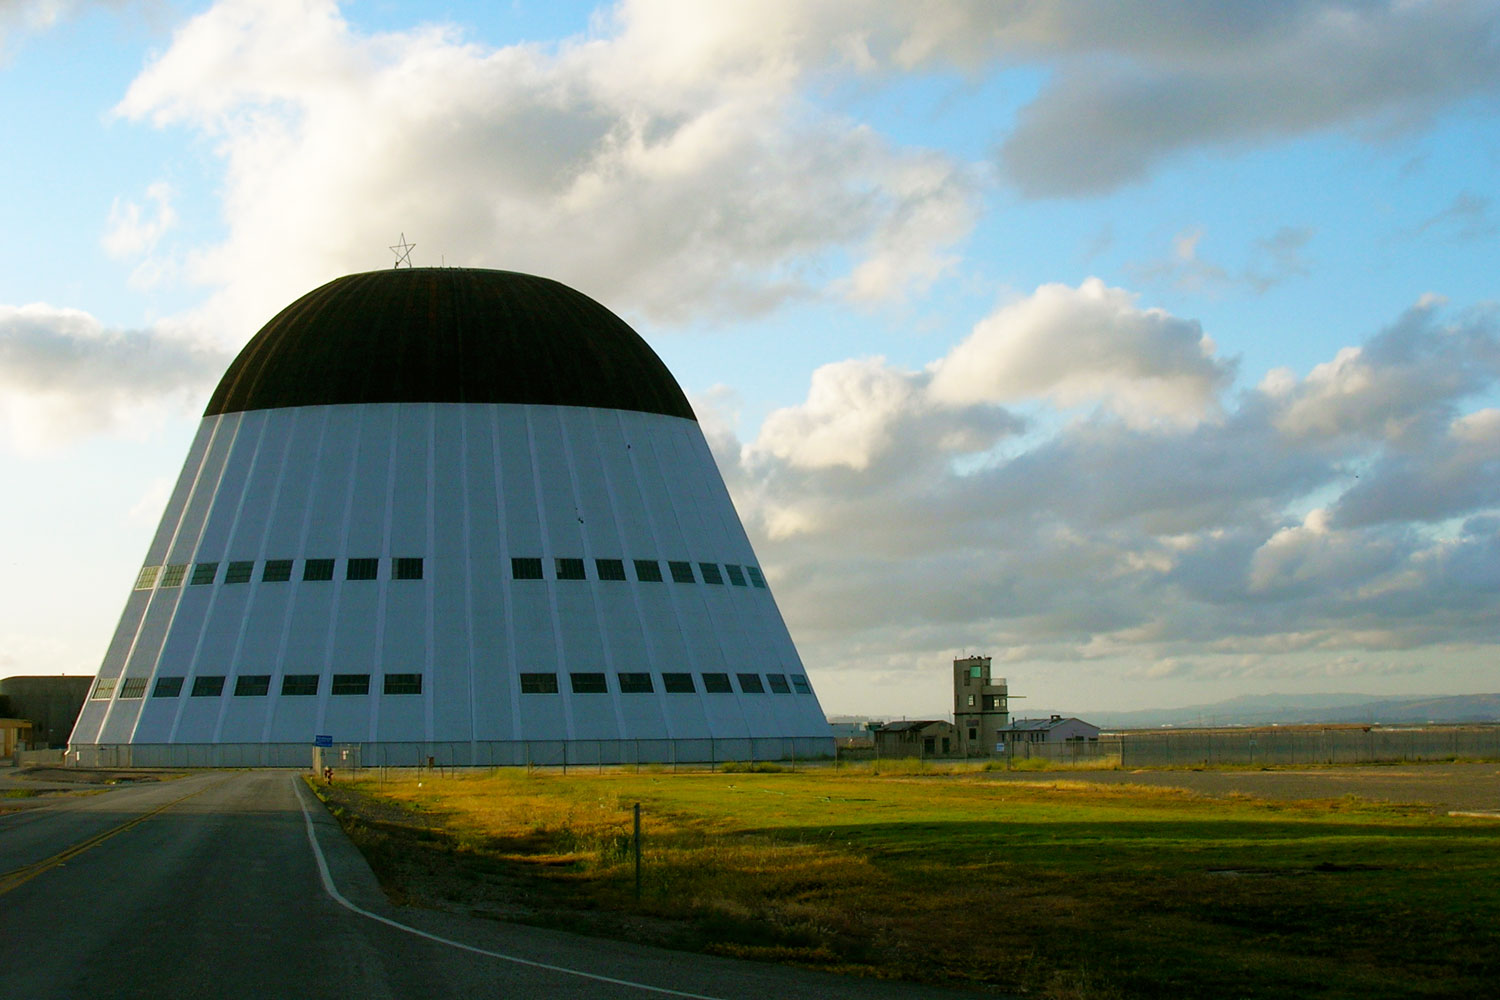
1054,729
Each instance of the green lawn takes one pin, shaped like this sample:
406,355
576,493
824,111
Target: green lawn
1062,889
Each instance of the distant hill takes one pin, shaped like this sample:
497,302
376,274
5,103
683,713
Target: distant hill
1290,709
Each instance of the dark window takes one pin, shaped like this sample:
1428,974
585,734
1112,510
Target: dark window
134,687
403,683
750,684
208,687
635,683
239,572
103,688
299,684
927,744
973,734
350,683
204,573
717,684
570,569
682,572
589,684
778,683
526,569
171,576
276,571
678,683
252,685
736,577
755,578
167,687
407,568
648,571
799,681
317,569
147,578
711,573
610,569
539,683
362,569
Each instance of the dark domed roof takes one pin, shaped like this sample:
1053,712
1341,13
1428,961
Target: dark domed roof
448,335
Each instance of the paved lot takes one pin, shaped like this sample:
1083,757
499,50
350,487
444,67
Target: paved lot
240,885
1444,787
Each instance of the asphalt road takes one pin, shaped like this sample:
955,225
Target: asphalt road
239,884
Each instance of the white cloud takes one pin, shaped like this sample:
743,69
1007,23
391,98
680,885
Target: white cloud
135,232
63,374
1086,345
655,169
1235,544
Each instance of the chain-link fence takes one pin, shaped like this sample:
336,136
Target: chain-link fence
1304,746
482,753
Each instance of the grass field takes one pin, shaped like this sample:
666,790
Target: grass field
1057,889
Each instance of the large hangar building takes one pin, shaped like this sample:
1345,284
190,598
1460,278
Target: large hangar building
451,513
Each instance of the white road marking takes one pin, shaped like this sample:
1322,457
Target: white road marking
339,898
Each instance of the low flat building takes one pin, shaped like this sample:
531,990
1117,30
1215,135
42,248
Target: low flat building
919,738
1054,729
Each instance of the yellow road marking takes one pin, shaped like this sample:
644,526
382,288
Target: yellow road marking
20,876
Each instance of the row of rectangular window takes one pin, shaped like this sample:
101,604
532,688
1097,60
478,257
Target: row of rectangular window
256,685
410,568
672,683
646,571
259,685
273,571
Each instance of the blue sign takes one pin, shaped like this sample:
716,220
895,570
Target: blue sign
322,741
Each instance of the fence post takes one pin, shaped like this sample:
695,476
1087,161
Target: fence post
637,852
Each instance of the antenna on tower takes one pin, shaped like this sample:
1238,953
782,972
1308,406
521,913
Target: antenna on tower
403,251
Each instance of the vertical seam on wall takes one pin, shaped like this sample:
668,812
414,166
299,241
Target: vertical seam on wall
429,580
383,583
502,529
550,584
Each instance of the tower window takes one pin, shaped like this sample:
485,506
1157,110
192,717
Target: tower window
648,571
208,686
526,569
755,578
299,684
717,684
167,687
147,578
751,684
350,684
570,569
778,683
171,576
682,572
589,684
317,569
610,569
539,683
204,573
276,571
678,683
252,685
635,683
711,573
407,568
239,572
403,684
134,687
362,569
799,681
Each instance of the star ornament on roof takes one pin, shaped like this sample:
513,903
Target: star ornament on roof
403,251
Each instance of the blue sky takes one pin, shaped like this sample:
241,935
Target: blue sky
1149,348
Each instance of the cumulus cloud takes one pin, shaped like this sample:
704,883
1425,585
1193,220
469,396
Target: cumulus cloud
637,165
1087,344
1307,527
63,374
